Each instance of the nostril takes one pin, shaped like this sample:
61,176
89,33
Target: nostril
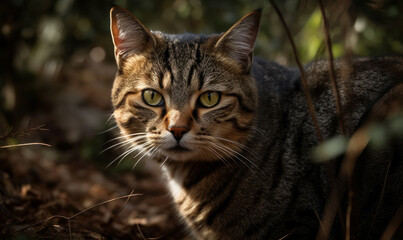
178,132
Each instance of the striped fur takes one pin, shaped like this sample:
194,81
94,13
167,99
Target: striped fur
242,169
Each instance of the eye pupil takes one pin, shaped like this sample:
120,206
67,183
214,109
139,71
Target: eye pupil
152,98
209,99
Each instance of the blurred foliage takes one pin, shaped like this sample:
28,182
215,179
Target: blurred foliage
57,62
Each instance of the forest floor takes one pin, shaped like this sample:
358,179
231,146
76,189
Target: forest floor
42,198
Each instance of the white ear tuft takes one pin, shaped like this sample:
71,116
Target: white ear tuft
239,41
128,34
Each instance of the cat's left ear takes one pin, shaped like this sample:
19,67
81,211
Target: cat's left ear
239,41
129,35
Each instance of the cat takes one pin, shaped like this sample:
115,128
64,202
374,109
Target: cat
235,136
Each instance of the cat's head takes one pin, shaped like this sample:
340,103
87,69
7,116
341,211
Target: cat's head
187,96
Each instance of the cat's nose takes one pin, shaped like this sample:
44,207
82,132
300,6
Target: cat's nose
178,131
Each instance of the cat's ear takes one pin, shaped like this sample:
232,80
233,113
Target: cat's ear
128,34
239,41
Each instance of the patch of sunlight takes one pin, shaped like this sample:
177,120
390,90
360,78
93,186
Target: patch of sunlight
310,37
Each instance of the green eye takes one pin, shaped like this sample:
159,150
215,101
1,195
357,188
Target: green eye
152,98
209,99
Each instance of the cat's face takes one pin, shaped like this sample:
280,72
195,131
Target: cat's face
185,97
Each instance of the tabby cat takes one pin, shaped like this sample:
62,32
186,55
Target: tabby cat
235,135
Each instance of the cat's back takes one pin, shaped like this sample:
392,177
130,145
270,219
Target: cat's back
370,89
360,82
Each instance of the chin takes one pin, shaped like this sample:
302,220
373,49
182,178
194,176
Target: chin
180,155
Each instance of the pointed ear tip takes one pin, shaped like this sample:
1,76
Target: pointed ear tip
116,9
113,10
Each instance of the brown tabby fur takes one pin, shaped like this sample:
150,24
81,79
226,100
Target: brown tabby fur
242,169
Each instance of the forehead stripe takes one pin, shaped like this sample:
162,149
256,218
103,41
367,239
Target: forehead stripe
167,65
190,75
201,80
194,65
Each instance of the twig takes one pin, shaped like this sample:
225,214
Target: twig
125,203
102,203
79,213
25,144
303,74
141,233
330,61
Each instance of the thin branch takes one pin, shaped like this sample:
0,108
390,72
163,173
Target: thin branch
303,74
332,75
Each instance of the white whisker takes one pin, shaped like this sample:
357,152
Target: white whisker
142,157
162,164
126,136
126,153
220,157
242,146
123,143
239,157
107,130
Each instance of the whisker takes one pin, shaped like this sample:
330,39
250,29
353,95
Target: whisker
125,136
144,145
107,130
241,146
145,154
110,117
162,164
126,153
236,154
220,157
123,143
228,153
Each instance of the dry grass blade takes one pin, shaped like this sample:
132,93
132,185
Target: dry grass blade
303,74
355,147
25,144
330,61
79,213
141,233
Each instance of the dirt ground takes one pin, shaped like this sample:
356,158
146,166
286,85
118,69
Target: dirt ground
43,198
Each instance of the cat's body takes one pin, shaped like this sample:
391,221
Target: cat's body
283,200
236,137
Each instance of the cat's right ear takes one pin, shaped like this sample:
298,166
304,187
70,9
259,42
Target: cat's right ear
128,34
238,42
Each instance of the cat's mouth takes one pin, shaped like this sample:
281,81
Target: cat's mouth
178,149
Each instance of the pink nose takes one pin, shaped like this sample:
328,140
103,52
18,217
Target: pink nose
178,131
